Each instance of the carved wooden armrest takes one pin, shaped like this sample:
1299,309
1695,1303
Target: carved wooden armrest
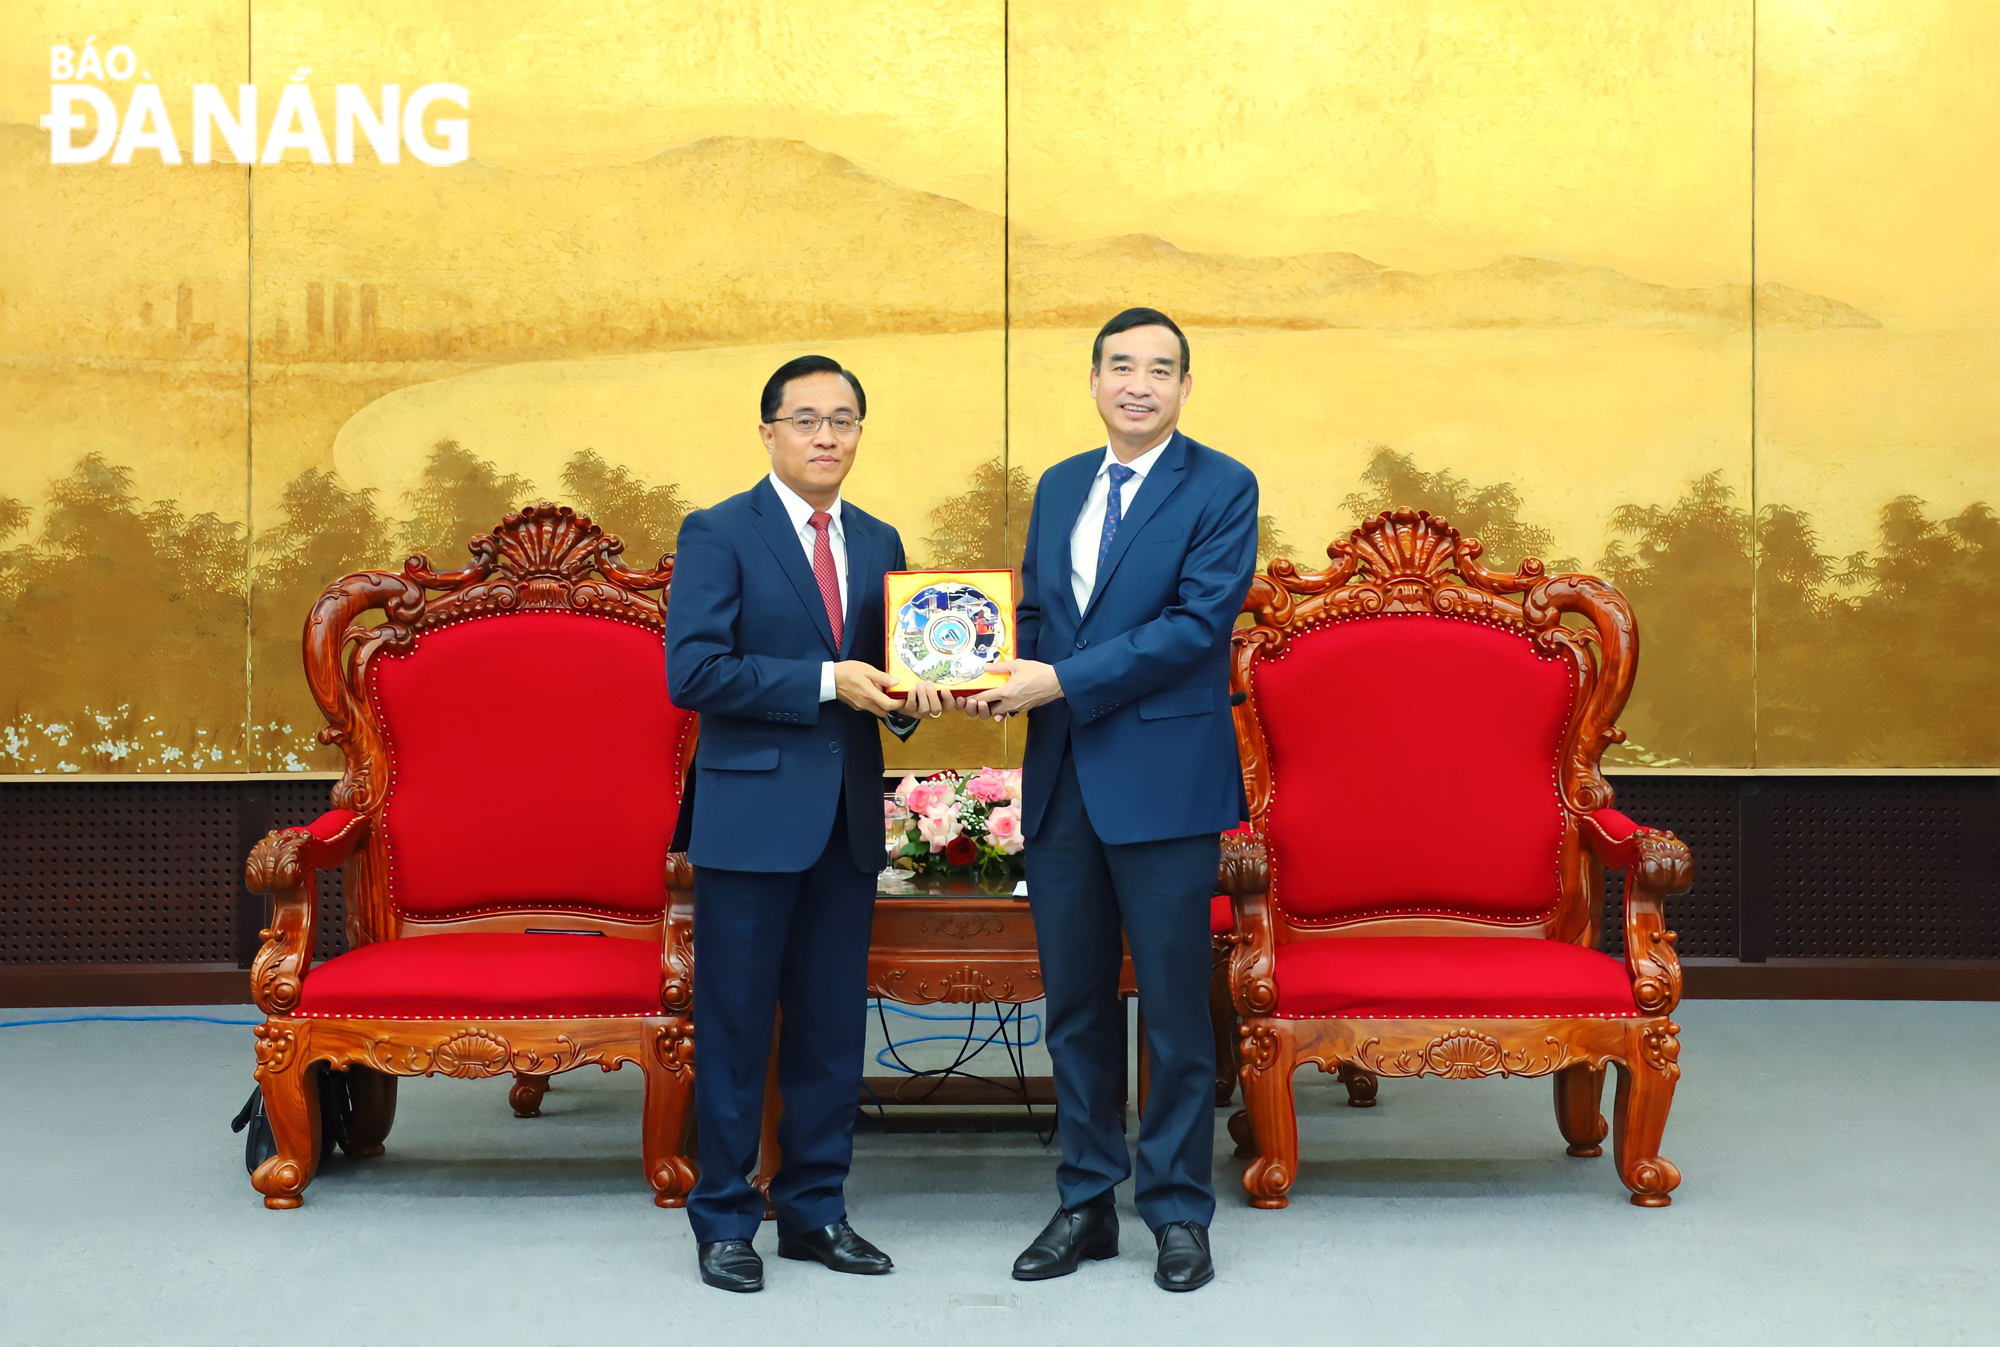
283,865
1657,865
1245,875
677,954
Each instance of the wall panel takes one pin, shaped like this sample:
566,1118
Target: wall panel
1491,259
122,377
1878,436
1494,259
587,309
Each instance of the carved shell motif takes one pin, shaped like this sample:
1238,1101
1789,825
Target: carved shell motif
474,1054
543,557
545,541
1463,1056
1401,545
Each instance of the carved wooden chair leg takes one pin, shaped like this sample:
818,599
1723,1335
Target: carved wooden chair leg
1243,1134
1579,1094
769,1158
1361,1085
291,1102
1268,1063
526,1096
669,1113
373,1094
1645,1094
1222,1017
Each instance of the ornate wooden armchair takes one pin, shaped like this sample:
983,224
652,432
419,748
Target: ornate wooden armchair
1419,897
513,776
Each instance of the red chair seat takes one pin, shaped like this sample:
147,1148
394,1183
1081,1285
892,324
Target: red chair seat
1221,920
1450,977
488,975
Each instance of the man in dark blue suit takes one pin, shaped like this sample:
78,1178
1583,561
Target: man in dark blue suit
1138,557
775,636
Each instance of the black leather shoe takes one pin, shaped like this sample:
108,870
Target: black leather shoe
1184,1262
837,1247
1075,1234
731,1265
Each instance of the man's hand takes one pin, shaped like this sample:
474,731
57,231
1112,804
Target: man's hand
926,699
1030,683
861,686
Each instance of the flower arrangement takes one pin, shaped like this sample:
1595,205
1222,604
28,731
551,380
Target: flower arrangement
955,821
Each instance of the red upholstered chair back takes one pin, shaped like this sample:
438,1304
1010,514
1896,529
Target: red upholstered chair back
475,714
508,729
1417,742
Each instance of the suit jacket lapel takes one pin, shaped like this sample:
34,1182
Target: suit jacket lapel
1159,484
775,527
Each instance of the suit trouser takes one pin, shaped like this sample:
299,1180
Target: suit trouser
797,940
1082,890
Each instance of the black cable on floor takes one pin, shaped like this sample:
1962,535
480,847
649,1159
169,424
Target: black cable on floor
1014,1045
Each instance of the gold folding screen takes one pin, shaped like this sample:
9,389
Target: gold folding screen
1700,297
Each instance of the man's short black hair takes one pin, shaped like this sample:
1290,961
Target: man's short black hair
1130,319
774,387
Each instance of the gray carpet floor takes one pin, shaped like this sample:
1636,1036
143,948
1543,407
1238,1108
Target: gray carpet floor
1839,1187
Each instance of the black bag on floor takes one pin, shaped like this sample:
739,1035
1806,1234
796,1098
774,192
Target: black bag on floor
336,1111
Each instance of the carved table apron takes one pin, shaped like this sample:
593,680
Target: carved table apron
958,941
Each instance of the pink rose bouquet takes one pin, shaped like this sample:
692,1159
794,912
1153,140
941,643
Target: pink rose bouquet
956,821
1003,830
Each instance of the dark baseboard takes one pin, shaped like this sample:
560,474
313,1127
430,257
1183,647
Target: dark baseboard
184,984
1842,979
124,984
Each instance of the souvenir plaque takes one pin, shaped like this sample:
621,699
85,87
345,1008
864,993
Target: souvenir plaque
948,627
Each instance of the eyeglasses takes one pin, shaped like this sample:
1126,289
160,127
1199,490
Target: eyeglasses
842,424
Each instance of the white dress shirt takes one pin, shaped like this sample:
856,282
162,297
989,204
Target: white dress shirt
1085,538
802,513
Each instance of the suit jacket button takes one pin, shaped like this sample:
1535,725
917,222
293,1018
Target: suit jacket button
833,747
1081,643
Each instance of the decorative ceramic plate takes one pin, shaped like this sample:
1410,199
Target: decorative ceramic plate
949,633
948,626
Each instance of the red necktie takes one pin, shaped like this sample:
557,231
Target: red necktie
824,570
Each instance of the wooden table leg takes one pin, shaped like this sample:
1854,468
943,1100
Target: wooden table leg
1124,1060
1222,1018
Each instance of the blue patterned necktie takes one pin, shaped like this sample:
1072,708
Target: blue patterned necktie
1113,512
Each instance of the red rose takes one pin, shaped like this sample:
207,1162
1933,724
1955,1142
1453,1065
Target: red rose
960,851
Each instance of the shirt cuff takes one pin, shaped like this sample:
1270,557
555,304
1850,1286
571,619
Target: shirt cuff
826,681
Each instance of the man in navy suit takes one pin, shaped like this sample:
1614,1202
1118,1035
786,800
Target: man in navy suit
775,637
1138,558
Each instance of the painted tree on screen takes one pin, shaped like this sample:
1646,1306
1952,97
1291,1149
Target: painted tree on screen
317,532
1270,540
984,526
1686,569
121,629
321,532
647,519
1491,514
1797,610
1923,636
458,495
